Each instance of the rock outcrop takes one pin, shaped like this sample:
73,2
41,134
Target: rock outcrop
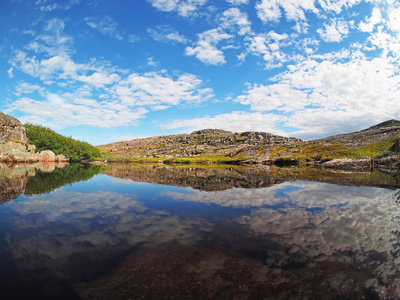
15,147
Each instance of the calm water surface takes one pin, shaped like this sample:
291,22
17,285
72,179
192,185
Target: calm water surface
133,232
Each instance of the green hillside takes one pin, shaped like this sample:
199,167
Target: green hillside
46,139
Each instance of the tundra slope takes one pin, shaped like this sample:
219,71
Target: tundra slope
250,147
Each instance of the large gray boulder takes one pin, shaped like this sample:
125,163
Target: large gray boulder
12,130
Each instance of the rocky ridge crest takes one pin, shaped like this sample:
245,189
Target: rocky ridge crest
207,142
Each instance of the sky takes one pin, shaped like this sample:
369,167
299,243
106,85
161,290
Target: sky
104,71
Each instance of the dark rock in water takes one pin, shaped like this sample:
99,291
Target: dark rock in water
363,164
389,162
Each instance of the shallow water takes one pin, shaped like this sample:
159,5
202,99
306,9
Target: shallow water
132,232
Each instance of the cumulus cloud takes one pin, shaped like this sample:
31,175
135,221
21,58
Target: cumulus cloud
234,18
184,8
165,33
235,122
318,94
154,89
206,49
106,25
335,31
100,94
269,47
271,11
237,2
58,111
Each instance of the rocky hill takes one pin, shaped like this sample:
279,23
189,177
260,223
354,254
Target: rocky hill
364,137
259,147
203,142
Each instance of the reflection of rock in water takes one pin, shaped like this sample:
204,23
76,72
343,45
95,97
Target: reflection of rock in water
13,178
206,179
13,181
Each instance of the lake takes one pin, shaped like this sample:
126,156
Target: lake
197,232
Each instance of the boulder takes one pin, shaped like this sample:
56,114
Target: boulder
61,158
363,164
12,130
389,162
46,156
397,145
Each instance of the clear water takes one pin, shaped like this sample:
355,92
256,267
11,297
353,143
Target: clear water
80,233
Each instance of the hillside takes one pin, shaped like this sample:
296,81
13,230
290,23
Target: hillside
210,142
364,137
256,147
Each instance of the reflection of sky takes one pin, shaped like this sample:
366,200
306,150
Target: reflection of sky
104,216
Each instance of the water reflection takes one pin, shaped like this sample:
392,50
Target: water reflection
114,238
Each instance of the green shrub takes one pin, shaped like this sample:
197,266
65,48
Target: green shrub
46,139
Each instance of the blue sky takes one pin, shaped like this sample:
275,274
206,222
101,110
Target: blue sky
104,71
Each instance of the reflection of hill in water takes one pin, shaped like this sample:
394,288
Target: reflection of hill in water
228,177
36,179
201,178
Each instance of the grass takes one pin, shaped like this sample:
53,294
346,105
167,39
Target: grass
202,158
313,152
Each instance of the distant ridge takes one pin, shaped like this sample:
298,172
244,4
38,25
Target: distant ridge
390,123
364,137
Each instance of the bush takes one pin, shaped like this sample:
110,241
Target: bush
46,139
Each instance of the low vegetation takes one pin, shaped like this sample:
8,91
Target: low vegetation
46,139
315,152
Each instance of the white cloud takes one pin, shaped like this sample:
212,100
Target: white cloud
336,31
237,2
337,5
269,47
165,33
185,8
158,90
58,111
330,96
394,19
236,122
50,5
281,97
371,22
10,72
232,18
206,50
105,25
294,10
27,88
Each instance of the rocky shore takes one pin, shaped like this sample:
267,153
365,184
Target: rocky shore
15,147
